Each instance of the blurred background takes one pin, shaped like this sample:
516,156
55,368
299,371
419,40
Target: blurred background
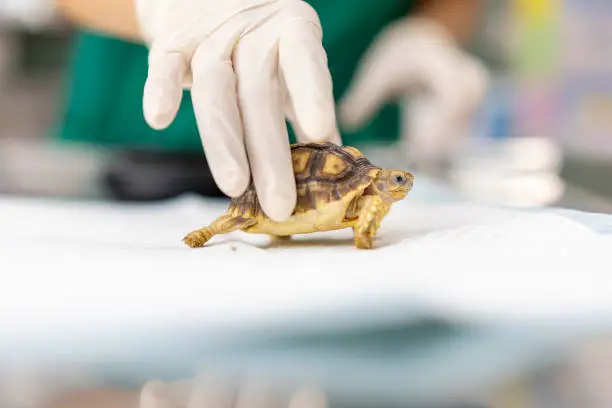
548,112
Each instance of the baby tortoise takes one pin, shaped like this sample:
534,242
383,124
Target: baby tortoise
337,187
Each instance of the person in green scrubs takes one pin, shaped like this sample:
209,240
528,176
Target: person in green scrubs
104,98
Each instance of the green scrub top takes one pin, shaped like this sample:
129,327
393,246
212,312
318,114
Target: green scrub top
104,99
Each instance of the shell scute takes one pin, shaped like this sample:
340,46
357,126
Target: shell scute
324,173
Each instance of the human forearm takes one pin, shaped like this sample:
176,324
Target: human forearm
114,17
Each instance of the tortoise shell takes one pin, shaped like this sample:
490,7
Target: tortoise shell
324,173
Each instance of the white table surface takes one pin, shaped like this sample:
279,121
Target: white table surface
113,283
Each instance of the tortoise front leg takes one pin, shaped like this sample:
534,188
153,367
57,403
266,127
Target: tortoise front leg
222,225
373,211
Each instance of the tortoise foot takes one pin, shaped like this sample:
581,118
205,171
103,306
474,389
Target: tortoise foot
363,242
198,239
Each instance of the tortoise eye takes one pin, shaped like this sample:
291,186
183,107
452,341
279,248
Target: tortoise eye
399,179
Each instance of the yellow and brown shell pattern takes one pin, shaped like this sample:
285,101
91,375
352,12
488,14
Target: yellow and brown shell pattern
324,173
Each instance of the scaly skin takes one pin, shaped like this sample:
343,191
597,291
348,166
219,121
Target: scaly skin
223,225
362,210
366,227
371,210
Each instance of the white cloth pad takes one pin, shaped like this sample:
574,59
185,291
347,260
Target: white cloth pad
86,277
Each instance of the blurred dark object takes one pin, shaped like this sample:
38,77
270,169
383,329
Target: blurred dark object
589,173
43,54
151,176
31,80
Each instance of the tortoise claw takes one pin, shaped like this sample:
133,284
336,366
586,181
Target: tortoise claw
363,242
197,239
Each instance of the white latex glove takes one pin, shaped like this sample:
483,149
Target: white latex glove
249,64
32,14
212,394
417,53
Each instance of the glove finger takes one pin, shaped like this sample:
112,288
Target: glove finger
299,133
289,110
163,90
476,80
216,110
265,128
291,118
373,84
303,64
460,85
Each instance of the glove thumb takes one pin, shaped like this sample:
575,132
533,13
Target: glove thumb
373,84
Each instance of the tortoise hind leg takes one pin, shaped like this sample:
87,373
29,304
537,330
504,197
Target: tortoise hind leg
222,225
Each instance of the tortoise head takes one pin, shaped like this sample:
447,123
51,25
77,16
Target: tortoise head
393,185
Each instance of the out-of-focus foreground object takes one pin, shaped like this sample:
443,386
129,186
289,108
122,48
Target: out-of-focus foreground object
27,385
462,297
210,392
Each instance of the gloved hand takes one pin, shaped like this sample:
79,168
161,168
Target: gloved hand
212,394
249,64
418,54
